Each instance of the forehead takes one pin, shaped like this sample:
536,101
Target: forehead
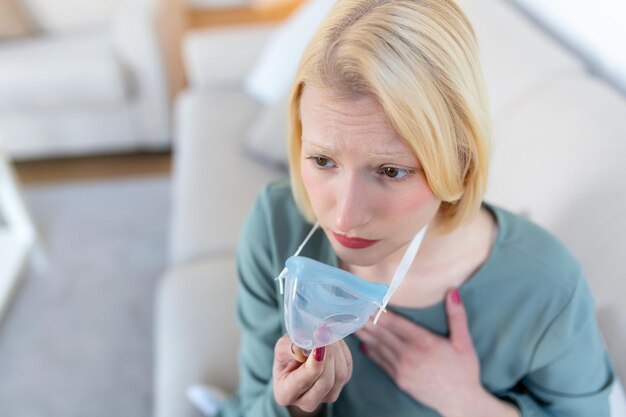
329,118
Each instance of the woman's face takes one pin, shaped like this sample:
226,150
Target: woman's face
366,187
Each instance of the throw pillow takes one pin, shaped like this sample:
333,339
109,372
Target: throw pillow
266,138
272,75
14,22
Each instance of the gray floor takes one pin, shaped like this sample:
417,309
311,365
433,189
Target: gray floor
77,340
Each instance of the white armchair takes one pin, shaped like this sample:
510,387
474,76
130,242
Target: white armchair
89,82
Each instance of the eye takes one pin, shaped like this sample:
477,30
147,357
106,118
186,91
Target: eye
395,173
322,161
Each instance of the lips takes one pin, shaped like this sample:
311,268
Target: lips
354,242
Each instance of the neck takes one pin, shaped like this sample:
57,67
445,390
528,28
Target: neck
438,252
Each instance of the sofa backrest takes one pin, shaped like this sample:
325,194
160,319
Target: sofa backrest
558,159
61,16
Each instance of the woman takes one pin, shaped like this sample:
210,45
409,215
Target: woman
389,133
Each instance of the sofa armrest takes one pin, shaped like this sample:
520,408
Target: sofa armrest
223,56
146,38
196,336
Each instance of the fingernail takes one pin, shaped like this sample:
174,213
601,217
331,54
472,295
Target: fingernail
363,348
456,297
318,354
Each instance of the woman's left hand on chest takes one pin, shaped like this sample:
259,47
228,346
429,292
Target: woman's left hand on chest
441,373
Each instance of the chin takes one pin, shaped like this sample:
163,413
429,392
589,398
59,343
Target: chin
359,257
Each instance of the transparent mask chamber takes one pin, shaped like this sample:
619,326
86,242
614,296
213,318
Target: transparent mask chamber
324,304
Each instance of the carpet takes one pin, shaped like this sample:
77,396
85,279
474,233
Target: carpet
77,340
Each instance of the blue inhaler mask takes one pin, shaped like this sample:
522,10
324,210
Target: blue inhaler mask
324,304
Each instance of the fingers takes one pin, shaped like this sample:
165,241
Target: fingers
311,399
298,353
291,377
460,336
404,330
383,342
394,322
305,377
318,379
394,339
384,362
343,371
394,333
283,353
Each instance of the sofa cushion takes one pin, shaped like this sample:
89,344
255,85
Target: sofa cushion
14,21
48,72
61,16
558,158
64,132
266,139
517,57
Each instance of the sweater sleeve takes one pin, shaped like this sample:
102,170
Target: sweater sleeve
570,374
259,318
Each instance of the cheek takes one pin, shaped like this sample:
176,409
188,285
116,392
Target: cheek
411,202
315,188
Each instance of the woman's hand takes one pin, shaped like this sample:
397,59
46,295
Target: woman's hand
317,380
441,373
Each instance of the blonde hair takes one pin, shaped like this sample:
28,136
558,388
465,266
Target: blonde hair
419,59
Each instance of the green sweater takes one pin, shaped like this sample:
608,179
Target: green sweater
529,309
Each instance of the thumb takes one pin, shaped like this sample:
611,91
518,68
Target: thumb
299,354
457,321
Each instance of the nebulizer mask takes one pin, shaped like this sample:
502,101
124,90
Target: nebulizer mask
324,304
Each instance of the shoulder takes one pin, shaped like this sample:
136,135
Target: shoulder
276,197
534,251
536,285
277,209
533,270
274,225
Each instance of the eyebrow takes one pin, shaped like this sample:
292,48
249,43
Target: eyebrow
369,155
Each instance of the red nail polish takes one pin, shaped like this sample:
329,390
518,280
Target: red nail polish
318,354
363,348
456,296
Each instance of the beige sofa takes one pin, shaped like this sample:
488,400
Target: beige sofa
560,145
90,77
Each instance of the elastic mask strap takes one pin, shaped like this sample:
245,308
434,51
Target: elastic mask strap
403,268
281,276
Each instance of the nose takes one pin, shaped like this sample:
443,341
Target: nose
351,209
